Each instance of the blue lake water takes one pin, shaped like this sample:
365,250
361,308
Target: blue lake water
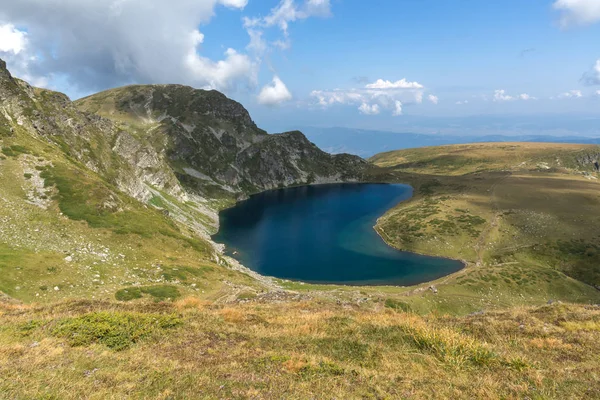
324,234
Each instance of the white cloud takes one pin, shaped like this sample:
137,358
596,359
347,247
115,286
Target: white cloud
500,95
281,16
369,109
578,12
12,40
318,8
274,93
14,49
525,96
385,94
288,11
571,94
592,77
401,84
105,43
597,92
257,44
433,99
397,108
234,3
460,103
282,44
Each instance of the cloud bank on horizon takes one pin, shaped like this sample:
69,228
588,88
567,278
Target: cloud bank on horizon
83,46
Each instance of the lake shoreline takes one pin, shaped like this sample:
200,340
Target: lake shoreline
226,249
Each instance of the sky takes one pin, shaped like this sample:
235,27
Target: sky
385,64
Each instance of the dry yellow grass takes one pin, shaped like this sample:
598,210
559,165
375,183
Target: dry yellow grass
307,349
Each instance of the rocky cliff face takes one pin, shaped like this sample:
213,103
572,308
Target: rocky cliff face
212,143
171,146
98,143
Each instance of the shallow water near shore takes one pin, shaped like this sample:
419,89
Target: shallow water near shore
324,234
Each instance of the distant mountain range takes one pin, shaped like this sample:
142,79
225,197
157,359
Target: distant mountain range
366,143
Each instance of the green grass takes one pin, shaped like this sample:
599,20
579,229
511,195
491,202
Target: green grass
84,199
15,150
116,330
158,293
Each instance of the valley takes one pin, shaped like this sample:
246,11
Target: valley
110,284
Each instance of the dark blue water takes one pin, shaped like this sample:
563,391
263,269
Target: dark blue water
324,234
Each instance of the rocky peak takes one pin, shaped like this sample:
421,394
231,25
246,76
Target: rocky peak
3,69
7,82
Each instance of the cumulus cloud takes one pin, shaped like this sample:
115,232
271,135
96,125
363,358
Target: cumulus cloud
103,43
15,50
12,40
401,84
592,77
578,12
571,94
500,95
274,93
433,99
368,109
387,95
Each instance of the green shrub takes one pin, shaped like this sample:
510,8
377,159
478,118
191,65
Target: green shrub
397,305
128,294
159,293
116,330
162,292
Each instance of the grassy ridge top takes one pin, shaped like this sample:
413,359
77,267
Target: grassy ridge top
462,159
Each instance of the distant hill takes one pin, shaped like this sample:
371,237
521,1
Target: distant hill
366,143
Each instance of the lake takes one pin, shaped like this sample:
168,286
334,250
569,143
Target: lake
324,234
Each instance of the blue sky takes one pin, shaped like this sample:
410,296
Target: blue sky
322,62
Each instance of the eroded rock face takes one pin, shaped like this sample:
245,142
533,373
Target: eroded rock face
98,143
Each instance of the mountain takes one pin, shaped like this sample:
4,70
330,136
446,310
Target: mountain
211,144
366,143
188,152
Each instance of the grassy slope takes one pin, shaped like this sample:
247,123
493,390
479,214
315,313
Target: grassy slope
191,349
66,233
523,216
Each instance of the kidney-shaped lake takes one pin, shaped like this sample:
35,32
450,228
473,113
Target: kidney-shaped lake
324,234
